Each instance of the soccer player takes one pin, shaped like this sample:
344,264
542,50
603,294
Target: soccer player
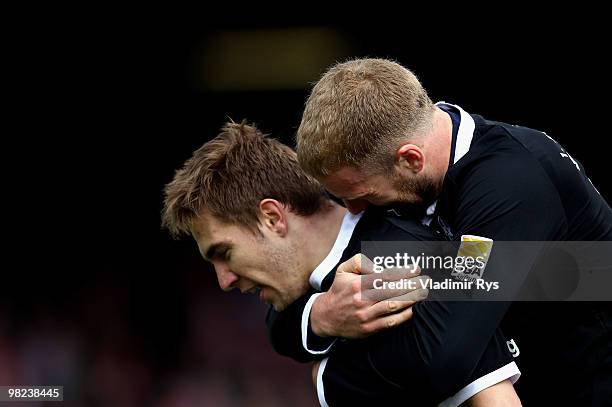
371,135
269,228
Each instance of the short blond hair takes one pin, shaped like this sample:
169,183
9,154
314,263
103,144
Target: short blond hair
229,176
357,113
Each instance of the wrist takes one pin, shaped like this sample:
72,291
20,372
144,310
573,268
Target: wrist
317,317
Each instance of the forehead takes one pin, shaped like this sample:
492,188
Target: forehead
209,230
345,181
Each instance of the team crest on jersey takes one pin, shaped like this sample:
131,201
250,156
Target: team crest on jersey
472,257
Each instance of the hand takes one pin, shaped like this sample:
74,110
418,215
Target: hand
353,308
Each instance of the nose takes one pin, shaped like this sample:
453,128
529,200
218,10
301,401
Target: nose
356,205
227,279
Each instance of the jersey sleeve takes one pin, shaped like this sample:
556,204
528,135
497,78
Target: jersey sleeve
347,377
290,333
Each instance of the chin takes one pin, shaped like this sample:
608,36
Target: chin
278,307
279,304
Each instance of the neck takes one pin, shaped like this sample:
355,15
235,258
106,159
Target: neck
319,235
439,145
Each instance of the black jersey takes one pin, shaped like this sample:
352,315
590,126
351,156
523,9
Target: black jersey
348,374
515,183
511,183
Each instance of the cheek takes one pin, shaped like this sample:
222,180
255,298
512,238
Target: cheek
254,265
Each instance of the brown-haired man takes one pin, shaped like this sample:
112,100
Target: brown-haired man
371,135
267,226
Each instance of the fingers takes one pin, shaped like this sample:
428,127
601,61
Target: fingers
411,289
361,264
395,304
389,313
384,308
413,296
388,321
358,264
390,274
393,320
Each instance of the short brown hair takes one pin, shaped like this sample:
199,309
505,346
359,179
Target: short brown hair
356,114
228,177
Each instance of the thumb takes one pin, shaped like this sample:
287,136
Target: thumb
358,264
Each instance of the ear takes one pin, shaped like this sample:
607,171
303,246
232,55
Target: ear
273,216
410,157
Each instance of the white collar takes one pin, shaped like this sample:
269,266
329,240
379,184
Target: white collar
333,257
465,133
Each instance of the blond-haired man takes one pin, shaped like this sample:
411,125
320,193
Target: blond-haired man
371,134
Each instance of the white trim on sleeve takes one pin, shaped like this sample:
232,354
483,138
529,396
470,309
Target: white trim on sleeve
320,389
305,319
509,371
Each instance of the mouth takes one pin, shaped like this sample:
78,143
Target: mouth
253,290
262,296
258,289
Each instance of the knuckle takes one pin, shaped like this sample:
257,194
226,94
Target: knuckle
406,315
367,328
361,316
423,293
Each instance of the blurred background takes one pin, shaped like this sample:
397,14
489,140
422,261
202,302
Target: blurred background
96,297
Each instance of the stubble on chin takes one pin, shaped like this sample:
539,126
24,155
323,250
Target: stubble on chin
422,190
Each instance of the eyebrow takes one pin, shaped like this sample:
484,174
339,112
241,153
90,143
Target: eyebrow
215,250
342,198
362,196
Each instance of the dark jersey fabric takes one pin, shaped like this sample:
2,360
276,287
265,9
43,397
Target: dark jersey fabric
514,184
351,377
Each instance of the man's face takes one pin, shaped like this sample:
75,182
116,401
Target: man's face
358,191
250,262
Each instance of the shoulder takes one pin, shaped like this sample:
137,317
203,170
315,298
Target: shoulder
384,224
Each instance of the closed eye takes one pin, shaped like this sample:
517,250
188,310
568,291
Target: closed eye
221,251
225,254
